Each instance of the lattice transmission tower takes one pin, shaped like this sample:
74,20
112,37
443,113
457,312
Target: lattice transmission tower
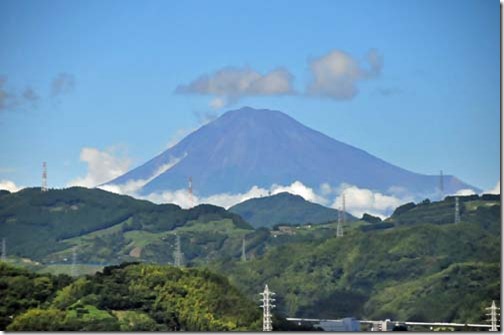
44,177
494,313
190,193
243,254
267,306
73,269
178,255
457,210
341,217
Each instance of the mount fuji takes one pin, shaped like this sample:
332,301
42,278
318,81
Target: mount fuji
250,147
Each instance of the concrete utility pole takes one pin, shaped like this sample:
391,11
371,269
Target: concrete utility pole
493,316
178,256
267,306
243,255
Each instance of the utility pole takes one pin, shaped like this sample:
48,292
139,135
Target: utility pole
493,316
267,306
243,254
457,210
178,256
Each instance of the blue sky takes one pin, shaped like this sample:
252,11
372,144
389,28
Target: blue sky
103,75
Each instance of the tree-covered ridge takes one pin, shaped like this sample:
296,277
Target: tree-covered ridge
37,224
144,297
21,289
284,208
414,270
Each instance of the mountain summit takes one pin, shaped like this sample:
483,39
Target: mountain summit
250,147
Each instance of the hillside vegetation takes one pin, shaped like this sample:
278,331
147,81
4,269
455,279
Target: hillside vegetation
137,297
417,265
284,208
412,269
105,227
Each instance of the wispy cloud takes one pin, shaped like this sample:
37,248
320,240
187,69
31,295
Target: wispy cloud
102,166
229,85
63,83
11,100
337,74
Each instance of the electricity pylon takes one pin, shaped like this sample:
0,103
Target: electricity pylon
267,306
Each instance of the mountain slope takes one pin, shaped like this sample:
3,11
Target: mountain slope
37,224
142,297
284,208
418,271
248,147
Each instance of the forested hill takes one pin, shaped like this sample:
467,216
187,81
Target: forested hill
418,265
37,224
135,297
284,208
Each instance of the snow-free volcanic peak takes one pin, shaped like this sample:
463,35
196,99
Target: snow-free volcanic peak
258,147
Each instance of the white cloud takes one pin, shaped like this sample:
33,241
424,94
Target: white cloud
9,186
361,200
465,191
336,74
217,103
299,188
133,186
494,190
102,166
230,84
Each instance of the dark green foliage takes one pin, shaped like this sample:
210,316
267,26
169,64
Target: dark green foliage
284,208
145,297
312,277
491,197
404,208
442,212
37,224
370,218
21,289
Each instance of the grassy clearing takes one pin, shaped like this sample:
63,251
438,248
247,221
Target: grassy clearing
82,269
